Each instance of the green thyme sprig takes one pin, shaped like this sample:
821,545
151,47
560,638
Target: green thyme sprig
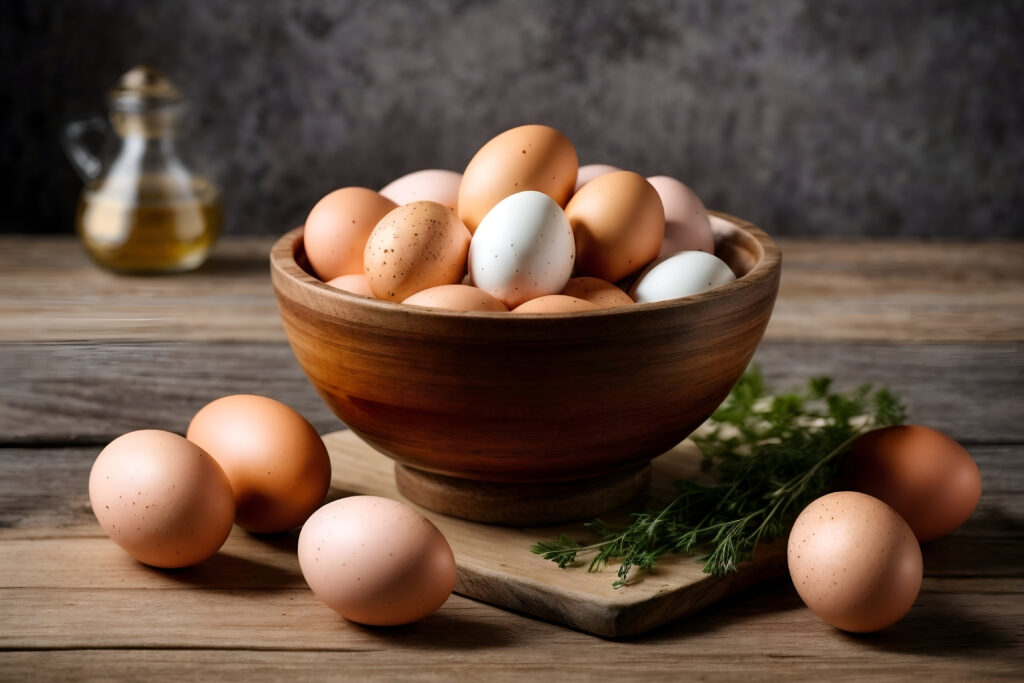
771,456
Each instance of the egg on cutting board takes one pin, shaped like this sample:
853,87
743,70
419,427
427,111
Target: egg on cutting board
376,561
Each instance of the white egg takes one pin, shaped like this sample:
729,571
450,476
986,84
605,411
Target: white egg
522,249
682,274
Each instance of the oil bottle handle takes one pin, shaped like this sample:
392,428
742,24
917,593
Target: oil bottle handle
84,160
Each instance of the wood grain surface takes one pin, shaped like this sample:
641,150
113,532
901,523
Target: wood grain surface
85,356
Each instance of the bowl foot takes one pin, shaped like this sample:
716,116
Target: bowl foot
520,503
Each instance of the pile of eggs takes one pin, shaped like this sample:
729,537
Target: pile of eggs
523,229
170,502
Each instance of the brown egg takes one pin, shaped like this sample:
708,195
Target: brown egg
161,498
414,247
355,283
854,561
376,561
277,464
555,303
530,157
456,298
337,229
618,223
597,291
923,474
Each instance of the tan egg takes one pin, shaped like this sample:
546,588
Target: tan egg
687,224
588,172
597,291
456,298
276,462
414,247
618,223
376,561
337,229
161,498
927,477
434,184
556,303
355,283
532,157
854,561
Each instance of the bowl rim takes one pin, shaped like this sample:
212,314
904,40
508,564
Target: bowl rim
282,260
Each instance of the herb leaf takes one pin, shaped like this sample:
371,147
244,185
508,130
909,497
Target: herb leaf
772,456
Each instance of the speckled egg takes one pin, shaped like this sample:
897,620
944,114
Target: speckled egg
414,247
376,561
532,157
161,498
854,561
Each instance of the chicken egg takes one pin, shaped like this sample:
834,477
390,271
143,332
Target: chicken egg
532,157
618,223
556,303
456,298
687,225
163,499
434,185
854,561
597,291
376,561
414,247
337,229
588,172
927,477
277,464
679,275
356,283
522,249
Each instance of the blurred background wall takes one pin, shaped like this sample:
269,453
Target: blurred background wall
814,117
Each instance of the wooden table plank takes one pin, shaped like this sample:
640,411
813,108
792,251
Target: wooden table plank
853,290
90,393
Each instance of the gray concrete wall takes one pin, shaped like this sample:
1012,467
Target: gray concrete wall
828,117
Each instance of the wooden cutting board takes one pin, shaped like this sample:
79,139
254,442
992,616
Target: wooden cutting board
495,564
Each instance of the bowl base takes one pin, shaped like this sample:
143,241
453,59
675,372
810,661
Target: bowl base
520,503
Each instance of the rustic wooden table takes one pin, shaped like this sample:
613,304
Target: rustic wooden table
86,356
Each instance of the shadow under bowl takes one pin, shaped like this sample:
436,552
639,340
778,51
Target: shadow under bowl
527,418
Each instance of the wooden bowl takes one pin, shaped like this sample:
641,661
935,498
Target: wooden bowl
527,418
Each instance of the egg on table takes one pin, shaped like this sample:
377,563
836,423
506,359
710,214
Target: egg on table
927,477
376,561
854,561
276,462
162,498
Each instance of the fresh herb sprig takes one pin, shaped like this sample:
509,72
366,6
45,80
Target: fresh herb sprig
772,456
